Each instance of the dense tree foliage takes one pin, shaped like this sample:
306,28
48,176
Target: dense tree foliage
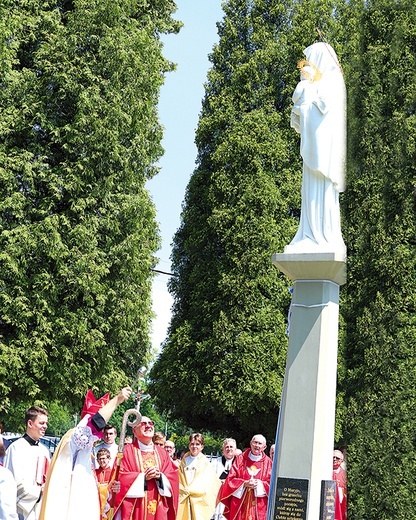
79,137
222,365
380,309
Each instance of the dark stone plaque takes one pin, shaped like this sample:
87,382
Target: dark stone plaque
291,499
327,500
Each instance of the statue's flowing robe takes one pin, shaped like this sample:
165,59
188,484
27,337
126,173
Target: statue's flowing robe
319,116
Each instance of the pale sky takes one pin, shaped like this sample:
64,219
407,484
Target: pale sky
179,109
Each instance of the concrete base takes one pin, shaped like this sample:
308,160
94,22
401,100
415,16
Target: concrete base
312,266
305,433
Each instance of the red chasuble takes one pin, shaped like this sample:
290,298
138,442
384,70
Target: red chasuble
103,475
340,477
152,506
248,507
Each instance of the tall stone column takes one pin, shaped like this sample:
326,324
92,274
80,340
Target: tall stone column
305,432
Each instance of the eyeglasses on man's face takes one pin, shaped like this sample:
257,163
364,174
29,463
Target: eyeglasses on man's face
147,423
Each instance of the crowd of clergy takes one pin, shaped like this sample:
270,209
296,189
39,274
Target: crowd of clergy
90,477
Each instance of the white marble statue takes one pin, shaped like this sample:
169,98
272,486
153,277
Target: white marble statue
319,116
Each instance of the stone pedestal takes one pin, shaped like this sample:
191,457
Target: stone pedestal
305,433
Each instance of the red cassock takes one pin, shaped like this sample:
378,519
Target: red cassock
151,506
340,477
248,507
103,475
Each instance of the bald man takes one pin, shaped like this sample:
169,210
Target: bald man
246,489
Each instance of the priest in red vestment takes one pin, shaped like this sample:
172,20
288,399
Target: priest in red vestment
339,474
149,484
246,489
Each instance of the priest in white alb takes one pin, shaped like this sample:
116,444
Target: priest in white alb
28,460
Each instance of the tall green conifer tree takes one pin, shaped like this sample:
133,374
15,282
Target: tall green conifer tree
380,310
79,137
222,365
